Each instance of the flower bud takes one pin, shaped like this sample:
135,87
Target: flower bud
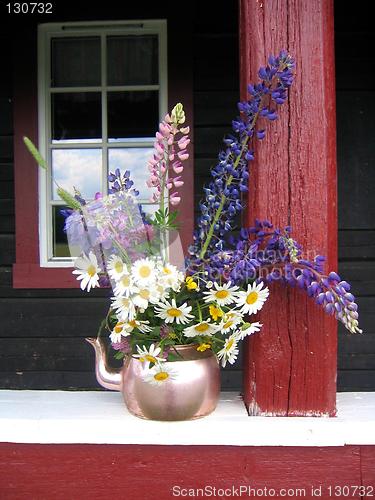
178,114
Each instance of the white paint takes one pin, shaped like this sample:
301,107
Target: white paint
101,417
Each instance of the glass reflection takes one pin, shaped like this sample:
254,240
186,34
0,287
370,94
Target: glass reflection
76,115
80,168
134,160
75,61
132,114
60,241
132,60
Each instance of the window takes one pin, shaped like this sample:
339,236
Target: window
102,90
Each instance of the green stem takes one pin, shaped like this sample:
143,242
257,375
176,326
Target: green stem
199,312
222,203
102,325
228,183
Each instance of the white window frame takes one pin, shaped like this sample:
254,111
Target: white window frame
101,29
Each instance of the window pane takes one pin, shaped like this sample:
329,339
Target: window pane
75,62
150,208
132,114
134,160
132,60
79,168
76,115
60,242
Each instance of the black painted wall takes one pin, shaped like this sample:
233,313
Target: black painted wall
42,331
355,82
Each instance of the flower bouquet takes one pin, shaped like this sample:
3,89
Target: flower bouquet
205,301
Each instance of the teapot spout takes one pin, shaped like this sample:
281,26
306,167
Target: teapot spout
108,377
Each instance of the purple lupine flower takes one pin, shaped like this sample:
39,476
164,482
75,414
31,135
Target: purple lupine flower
230,176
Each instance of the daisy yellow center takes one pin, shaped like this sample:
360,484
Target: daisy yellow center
161,376
118,327
91,271
229,345
144,271
118,267
252,298
166,270
228,324
145,294
202,327
150,358
221,294
132,323
125,280
173,311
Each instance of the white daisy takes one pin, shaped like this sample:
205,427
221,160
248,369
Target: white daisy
118,332
170,312
229,352
150,355
144,295
222,294
142,326
159,374
249,330
230,321
124,285
253,299
171,277
87,271
143,272
116,267
124,307
162,291
203,328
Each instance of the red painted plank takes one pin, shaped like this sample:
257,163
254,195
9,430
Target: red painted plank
290,368
368,469
82,472
25,119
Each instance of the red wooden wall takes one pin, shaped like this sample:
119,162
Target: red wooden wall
290,369
62,472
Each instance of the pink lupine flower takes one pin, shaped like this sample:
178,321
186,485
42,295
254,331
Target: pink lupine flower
183,156
177,167
174,199
177,182
169,153
183,142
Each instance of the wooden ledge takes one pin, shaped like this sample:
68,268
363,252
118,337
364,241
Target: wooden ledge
101,418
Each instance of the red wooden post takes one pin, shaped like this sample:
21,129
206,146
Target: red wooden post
290,368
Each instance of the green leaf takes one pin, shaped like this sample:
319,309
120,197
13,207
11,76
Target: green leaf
118,355
35,153
69,199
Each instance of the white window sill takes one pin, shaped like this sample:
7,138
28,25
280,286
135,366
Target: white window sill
101,418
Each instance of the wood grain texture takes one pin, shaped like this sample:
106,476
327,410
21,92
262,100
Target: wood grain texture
291,366
147,472
368,465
